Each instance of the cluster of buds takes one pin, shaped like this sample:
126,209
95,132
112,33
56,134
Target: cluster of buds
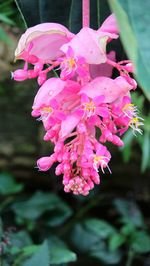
81,100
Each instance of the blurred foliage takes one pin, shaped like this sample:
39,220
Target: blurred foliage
133,19
143,141
44,230
8,16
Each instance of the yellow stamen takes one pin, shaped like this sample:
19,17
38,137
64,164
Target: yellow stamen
71,62
89,106
97,159
47,109
128,106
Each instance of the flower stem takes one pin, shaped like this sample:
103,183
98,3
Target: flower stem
85,13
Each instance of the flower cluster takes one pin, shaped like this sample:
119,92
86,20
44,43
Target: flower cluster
82,100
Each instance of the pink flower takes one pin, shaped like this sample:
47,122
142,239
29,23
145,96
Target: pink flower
71,65
81,101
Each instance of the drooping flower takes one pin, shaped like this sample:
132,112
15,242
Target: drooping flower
81,101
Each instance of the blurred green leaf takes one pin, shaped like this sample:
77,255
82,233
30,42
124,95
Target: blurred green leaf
91,237
116,241
101,252
8,185
128,229
125,29
40,257
141,242
82,238
145,151
1,228
133,19
20,239
99,227
138,100
59,215
126,149
39,203
59,252
4,18
4,37
129,211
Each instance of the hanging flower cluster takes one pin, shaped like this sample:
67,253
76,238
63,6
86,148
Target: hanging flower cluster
83,100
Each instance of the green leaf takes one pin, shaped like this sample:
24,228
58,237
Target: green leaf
128,229
61,213
145,151
130,212
133,19
4,37
116,241
91,232
59,252
6,20
39,203
8,185
127,149
82,238
101,252
20,239
99,227
40,257
125,29
141,242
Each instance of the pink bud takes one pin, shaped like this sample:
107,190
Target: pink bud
59,146
35,113
38,67
66,179
19,75
32,74
129,67
49,135
66,167
32,59
44,163
117,141
41,78
59,169
66,156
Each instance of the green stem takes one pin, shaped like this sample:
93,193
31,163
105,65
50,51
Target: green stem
130,258
6,202
98,13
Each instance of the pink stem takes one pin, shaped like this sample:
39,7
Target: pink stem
85,13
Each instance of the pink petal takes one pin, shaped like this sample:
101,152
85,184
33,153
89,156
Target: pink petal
69,124
48,91
99,100
102,111
43,41
88,44
110,25
111,89
104,69
84,98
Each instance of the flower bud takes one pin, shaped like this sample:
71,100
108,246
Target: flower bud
41,78
44,163
19,75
